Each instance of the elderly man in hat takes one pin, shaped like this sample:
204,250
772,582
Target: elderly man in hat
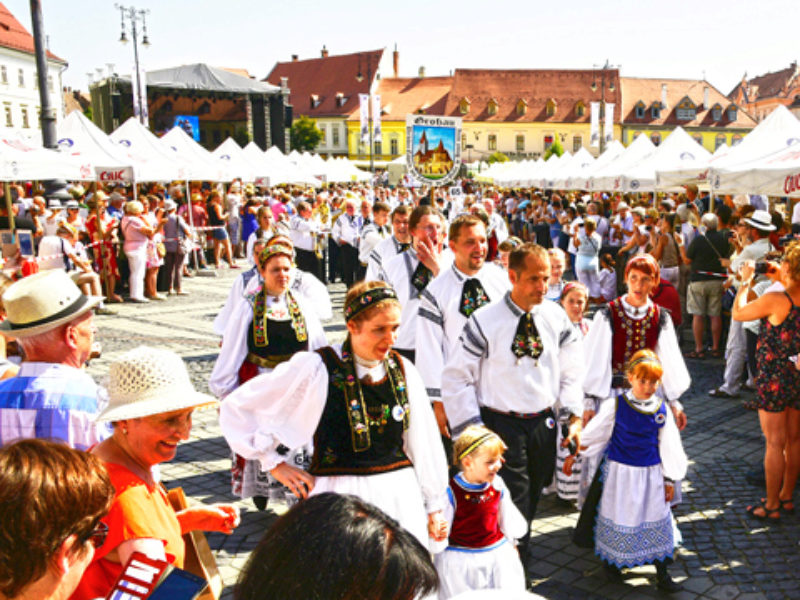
52,397
759,225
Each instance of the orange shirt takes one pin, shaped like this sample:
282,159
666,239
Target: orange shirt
137,512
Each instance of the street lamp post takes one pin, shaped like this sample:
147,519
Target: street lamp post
133,15
611,87
360,78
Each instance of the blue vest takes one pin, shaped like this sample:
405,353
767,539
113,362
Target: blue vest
634,441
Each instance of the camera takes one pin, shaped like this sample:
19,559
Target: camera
648,227
762,267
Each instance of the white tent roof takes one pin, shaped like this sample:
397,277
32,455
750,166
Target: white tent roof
613,150
570,177
237,162
678,149
20,161
82,139
609,178
136,138
775,175
178,141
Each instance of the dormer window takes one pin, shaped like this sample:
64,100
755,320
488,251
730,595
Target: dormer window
639,110
732,113
340,99
463,106
314,100
550,108
687,110
716,112
522,107
580,109
492,107
655,110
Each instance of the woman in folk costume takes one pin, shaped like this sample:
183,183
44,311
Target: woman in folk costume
636,437
262,332
366,410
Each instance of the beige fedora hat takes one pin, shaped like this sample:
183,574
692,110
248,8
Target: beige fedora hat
42,302
149,381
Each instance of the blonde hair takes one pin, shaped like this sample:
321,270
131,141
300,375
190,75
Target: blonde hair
473,438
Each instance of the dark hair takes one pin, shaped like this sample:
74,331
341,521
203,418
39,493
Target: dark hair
462,221
520,254
48,492
337,546
421,211
380,207
401,209
724,212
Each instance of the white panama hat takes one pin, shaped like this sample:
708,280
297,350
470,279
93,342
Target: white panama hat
149,381
760,219
43,301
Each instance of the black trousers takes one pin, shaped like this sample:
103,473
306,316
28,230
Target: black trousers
530,458
334,268
349,256
307,261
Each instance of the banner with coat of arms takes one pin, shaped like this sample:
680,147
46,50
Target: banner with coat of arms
433,148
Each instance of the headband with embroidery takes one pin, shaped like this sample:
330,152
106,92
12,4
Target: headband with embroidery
573,285
367,299
643,359
475,445
274,250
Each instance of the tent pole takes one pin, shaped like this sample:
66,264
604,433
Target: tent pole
191,225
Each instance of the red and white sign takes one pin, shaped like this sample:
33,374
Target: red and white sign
114,175
792,183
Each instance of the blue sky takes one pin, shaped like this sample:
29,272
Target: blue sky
433,135
648,39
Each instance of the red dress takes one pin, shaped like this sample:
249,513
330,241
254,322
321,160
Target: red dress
107,247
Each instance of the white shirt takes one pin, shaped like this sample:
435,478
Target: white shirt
301,232
483,371
381,253
371,236
440,321
346,228
52,253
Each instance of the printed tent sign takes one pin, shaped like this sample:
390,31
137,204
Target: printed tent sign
433,148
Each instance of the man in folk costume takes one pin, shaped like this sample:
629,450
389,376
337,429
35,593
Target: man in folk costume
410,272
450,300
392,245
303,231
515,359
346,233
373,233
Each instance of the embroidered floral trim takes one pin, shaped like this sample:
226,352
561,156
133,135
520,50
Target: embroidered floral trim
260,317
473,296
527,341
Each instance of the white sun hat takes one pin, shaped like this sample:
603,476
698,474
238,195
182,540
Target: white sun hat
149,381
43,301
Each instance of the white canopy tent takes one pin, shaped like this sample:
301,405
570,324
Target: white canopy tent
568,178
204,167
21,162
237,162
613,150
609,178
136,138
776,175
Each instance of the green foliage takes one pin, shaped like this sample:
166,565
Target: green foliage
87,112
555,148
241,137
497,157
305,135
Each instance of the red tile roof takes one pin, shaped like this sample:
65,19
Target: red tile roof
535,87
324,78
13,35
401,96
769,85
649,91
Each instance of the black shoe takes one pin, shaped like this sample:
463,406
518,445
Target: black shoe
260,502
667,584
613,574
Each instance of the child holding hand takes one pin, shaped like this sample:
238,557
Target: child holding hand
643,457
481,553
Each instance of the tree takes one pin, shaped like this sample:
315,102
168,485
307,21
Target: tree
555,148
241,137
497,157
305,135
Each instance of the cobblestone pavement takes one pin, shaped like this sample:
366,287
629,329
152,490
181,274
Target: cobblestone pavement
725,555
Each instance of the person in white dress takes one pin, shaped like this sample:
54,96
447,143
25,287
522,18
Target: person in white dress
366,410
265,330
643,459
481,552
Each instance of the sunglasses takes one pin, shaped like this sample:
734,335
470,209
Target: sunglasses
97,535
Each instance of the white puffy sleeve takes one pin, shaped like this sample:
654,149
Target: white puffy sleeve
598,432
511,522
598,346
423,443
676,379
317,295
234,296
225,375
673,458
430,344
280,407
461,376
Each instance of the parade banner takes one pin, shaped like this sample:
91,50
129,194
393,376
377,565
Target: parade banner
433,148
608,130
376,117
363,107
594,126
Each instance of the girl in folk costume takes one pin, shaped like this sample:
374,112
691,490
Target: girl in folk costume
621,328
483,521
262,332
643,458
366,410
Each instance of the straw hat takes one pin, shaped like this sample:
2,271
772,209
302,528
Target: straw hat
149,381
760,219
42,302
134,207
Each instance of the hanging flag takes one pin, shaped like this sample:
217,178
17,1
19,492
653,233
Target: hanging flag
594,126
608,131
376,117
363,103
139,85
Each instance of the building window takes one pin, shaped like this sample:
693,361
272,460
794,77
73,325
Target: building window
216,137
731,114
698,138
719,141
580,109
737,139
324,139
394,149
492,142
520,143
9,116
655,111
716,114
463,106
378,147
548,141
50,82
21,76
685,114
550,108
25,121
492,107
3,74
335,135
640,111
522,107
577,143
655,137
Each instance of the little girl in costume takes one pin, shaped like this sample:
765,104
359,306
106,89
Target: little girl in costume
643,458
483,520
606,279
